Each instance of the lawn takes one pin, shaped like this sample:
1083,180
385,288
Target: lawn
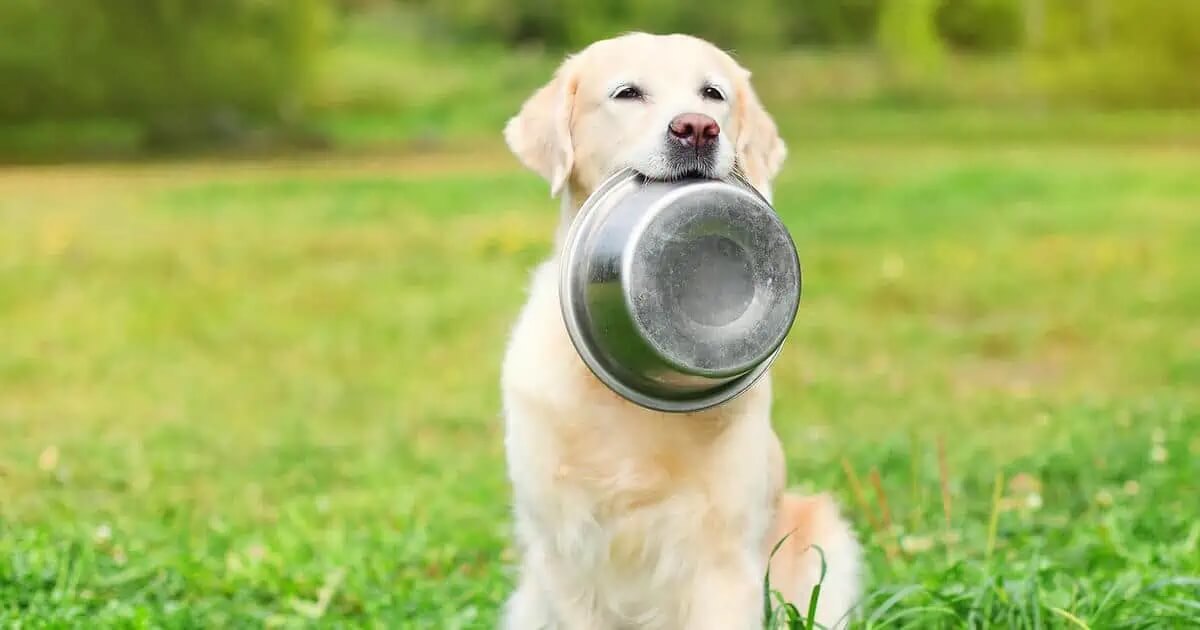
248,393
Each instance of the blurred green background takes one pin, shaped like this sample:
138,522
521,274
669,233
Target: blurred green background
259,258
104,77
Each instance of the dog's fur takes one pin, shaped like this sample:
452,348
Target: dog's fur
626,517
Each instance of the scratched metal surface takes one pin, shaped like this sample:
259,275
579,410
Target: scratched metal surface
678,295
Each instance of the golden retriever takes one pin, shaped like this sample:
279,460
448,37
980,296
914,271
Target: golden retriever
626,517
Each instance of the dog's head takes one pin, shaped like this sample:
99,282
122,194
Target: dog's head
668,106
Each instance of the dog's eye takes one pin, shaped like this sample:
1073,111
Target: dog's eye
627,92
713,93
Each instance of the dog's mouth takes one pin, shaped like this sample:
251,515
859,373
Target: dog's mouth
676,175
678,163
684,175
686,172
677,170
695,173
699,164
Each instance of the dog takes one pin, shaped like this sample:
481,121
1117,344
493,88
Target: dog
627,517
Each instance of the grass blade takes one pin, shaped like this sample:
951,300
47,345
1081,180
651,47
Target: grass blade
816,591
994,520
1075,621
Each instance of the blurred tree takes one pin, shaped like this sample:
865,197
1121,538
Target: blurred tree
907,36
1104,50
195,70
757,24
980,25
829,22
1119,52
570,24
181,67
1035,21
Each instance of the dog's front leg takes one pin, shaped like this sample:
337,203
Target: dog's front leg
728,596
528,609
547,600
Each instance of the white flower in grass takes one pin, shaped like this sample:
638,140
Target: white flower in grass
1158,454
102,535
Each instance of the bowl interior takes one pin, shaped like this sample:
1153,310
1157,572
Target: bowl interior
711,279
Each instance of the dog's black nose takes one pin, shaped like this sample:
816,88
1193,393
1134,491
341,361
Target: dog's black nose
695,130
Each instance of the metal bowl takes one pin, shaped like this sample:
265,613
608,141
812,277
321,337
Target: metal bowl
678,295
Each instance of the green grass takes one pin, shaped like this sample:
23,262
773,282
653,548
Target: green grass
265,393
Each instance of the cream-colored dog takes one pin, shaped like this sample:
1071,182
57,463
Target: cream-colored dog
625,517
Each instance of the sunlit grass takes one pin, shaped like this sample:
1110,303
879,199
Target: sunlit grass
266,393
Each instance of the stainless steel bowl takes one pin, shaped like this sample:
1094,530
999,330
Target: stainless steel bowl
678,295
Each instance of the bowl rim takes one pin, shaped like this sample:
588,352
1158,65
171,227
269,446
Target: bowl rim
569,290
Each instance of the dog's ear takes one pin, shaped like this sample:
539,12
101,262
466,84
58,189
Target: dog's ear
540,134
760,150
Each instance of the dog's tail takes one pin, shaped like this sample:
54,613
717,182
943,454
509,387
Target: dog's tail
820,549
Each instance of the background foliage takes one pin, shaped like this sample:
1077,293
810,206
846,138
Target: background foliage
181,67
180,72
